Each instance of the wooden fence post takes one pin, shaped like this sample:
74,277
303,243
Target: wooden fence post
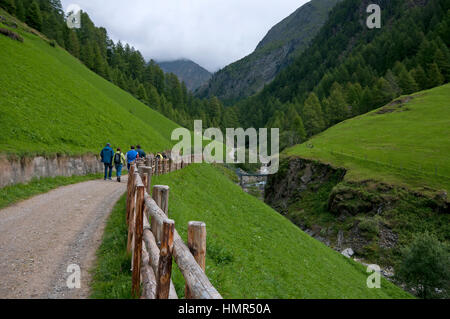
130,186
148,171
137,251
131,221
197,246
165,260
162,197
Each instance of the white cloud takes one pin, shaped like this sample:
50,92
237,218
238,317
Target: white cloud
212,33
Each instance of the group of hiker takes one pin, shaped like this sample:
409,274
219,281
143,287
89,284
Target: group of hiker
119,160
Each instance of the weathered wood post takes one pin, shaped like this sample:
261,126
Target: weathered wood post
131,222
197,246
148,171
130,187
137,251
165,260
162,197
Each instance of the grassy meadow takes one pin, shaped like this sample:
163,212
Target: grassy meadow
406,143
50,103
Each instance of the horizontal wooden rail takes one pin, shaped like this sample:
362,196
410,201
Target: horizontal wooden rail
154,241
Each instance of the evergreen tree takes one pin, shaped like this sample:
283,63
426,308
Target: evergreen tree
34,17
406,82
153,97
142,93
434,76
312,114
8,5
420,77
443,63
20,10
337,105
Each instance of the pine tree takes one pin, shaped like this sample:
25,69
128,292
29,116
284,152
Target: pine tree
434,76
153,97
8,5
312,114
20,10
406,82
298,129
34,16
443,63
420,77
337,105
142,93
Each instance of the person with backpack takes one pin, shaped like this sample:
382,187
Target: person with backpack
141,152
119,162
131,156
107,154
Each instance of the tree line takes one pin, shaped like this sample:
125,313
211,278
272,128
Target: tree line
349,69
121,64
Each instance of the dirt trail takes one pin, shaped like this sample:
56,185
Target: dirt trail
42,236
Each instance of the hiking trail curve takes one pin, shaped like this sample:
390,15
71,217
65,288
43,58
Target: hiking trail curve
40,237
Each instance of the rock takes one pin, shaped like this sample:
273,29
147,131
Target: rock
348,252
306,178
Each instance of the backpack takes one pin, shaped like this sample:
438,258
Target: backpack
117,159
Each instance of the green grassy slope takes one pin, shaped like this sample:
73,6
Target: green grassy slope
254,252
405,144
51,103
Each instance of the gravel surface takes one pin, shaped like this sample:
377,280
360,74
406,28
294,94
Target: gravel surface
40,237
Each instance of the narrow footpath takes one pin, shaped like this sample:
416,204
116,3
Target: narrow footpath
40,237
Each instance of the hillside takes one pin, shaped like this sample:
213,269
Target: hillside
275,51
51,103
192,74
373,182
349,69
247,240
405,142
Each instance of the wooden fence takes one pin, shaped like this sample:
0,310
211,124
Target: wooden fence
154,242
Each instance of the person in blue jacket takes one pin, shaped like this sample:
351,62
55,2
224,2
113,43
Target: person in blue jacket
131,156
107,155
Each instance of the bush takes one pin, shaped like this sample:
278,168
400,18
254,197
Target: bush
425,267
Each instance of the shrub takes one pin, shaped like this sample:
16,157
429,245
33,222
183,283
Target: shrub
425,267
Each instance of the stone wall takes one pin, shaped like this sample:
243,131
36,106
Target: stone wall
15,171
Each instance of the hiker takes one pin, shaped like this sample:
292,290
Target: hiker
119,162
141,152
107,158
131,156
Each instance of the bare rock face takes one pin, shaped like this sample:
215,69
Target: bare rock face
14,171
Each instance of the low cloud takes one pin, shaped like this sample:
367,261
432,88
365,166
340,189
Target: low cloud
212,33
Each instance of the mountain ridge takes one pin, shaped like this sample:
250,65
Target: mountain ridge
275,51
191,73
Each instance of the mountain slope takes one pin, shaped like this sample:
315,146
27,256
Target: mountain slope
192,74
50,103
373,182
278,48
405,142
247,240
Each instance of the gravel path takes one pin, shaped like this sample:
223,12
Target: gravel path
42,236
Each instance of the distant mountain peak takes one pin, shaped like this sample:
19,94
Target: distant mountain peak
276,50
192,74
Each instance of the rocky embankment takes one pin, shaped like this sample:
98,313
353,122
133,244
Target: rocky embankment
366,220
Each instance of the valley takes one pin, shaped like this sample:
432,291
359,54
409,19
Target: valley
364,125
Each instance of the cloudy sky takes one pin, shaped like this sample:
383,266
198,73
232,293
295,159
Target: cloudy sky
212,33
